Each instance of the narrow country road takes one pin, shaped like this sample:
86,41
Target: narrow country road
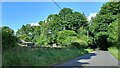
96,58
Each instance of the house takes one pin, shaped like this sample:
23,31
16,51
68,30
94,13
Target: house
26,43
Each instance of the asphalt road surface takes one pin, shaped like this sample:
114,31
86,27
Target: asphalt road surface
96,58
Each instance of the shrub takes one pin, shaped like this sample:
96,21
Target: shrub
82,43
85,40
25,37
68,41
113,33
71,39
66,36
42,40
8,38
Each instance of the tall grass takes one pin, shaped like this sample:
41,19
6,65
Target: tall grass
39,57
115,52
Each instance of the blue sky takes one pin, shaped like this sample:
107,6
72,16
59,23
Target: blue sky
16,14
0,13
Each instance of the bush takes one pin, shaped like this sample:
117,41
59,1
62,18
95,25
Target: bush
82,43
25,37
85,40
8,38
71,39
42,40
65,37
113,33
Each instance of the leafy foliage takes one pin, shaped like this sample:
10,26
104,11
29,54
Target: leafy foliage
110,7
115,52
72,20
66,36
68,27
101,40
8,38
104,25
50,30
113,33
42,40
25,33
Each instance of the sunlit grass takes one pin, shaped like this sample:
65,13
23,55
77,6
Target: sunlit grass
115,52
39,57
89,50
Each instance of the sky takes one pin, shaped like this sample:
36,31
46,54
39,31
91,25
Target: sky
55,0
0,14
16,14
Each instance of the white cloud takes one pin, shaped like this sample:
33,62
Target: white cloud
34,24
15,31
99,9
91,15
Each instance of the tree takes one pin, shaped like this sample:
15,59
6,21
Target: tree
42,39
78,20
8,38
36,33
64,37
113,33
7,29
101,25
84,34
65,20
101,22
54,26
72,20
28,32
110,7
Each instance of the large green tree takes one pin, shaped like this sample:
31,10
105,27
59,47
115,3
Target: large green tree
47,31
65,20
72,20
102,25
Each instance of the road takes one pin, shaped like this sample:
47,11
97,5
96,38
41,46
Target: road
96,58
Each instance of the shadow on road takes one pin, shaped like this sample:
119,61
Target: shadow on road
79,61
84,59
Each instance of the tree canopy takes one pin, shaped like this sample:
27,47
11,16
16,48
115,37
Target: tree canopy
104,25
8,38
49,30
70,27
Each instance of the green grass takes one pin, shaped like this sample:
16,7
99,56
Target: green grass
89,50
39,57
114,52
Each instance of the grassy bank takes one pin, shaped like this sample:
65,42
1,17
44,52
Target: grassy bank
39,57
89,50
114,52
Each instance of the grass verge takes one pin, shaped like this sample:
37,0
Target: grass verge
89,50
115,52
38,57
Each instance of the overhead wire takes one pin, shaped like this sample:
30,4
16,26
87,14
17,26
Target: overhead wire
56,4
61,8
